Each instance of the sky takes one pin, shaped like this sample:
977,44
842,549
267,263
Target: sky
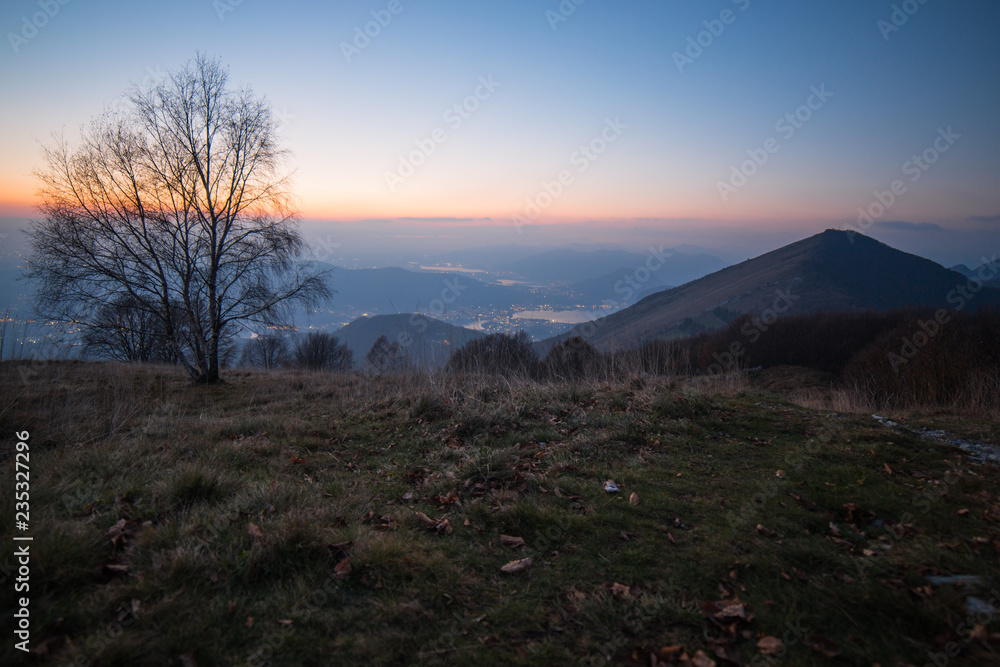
737,125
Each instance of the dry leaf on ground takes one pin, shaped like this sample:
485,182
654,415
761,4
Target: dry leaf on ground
516,566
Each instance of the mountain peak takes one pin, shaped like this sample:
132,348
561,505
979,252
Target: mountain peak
835,270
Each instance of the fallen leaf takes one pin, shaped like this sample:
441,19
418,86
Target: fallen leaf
342,569
770,645
671,654
699,659
249,622
516,566
255,531
114,569
295,459
780,474
633,499
620,590
765,531
232,608
887,468
341,548
730,655
825,646
963,512
285,621
437,525
442,499
512,542
726,610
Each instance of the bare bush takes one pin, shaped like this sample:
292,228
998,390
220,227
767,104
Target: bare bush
269,351
496,354
322,352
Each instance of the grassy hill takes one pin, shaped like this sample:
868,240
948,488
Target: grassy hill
425,341
831,271
305,519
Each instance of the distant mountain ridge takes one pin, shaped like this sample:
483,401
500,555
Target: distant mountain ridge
831,271
602,269
425,341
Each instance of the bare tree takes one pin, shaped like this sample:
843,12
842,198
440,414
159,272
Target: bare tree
323,352
179,203
386,357
268,351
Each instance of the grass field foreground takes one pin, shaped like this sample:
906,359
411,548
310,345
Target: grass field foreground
305,519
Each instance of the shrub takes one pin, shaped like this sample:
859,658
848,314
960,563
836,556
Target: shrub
268,352
322,352
572,359
386,357
496,354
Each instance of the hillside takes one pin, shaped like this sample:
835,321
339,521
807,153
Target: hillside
824,272
307,519
426,341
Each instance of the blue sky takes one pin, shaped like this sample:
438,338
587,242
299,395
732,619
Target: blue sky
557,84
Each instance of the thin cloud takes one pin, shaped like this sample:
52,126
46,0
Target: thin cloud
903,226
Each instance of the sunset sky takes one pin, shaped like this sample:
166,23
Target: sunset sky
669,97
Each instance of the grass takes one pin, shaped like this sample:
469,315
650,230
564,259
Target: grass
276,519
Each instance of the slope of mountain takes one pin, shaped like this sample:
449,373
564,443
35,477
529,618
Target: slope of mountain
425,341
830,271
981,270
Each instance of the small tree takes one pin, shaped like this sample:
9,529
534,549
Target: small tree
499,354
180,204
573,359
323,352
269,351
386,357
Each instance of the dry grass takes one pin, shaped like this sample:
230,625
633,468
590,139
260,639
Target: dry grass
328,468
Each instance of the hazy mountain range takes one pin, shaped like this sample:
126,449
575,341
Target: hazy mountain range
831,271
